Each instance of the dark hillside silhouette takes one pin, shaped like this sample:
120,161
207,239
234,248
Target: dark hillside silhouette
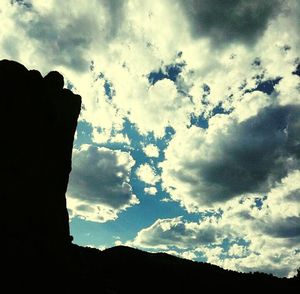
38,122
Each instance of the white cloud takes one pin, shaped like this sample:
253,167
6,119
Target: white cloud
166,200
250,105
289,90
101,247
185,254
151,150
99,186
105,136
269,232
127,40
205,168
120,138
150,190
237,250
165,233
147,174
119,37
160,107
118,243
189,255
284,197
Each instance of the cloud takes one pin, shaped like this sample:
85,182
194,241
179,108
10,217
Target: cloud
289,90
272,229
99,183
100,136
64,34
258,238
125,42
161,100
115,11
165,233
229,21
237,250
206,168
115,39
150,190
289,227
151,150
147,174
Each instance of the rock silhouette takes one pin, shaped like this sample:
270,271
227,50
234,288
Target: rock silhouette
38,122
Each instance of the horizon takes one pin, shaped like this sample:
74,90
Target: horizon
188,138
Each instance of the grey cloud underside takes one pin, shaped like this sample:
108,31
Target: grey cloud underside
178,234
284,228
294,196
115,10
10,46
231,20
250,158
98,178
66,42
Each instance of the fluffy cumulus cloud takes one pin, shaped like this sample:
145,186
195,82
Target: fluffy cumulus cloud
147,174
120,43
97,42
151,150
222,75
165,233
63,33
231,158
150,190
99,183
262,234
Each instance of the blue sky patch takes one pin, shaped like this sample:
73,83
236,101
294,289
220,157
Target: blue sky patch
199,121
220,110
170,72
266,87
84,133
297,70
109,90
139,216
260,201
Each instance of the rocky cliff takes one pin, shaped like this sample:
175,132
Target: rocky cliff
38,122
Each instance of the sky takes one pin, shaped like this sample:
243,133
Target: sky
188,141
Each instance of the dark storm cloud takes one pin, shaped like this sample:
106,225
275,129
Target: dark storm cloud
225,21
99,178
249,158
284,228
